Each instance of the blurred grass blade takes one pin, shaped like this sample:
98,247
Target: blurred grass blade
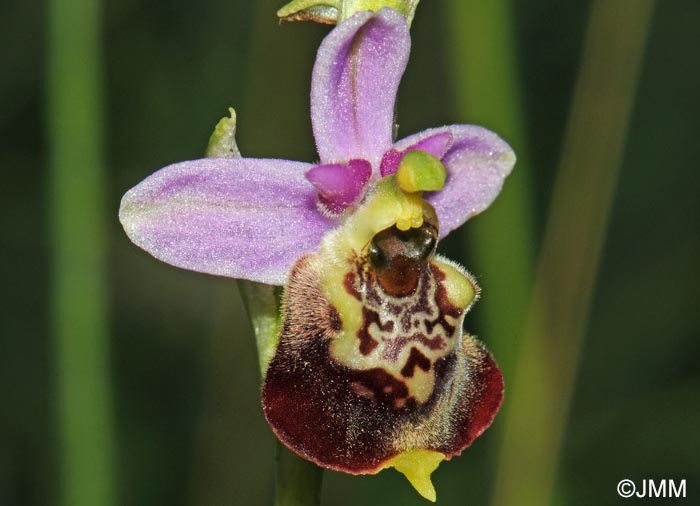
540,393
78,245
483,66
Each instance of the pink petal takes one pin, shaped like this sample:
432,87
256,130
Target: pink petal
240,218
436,145
340,185
354,84
477,163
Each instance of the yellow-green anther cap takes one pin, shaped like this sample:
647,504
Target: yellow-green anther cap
420,172
336,11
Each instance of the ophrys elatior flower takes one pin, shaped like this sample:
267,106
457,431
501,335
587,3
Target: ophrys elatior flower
372,368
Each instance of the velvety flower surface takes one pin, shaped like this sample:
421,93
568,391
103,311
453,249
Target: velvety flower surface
372,368
252,218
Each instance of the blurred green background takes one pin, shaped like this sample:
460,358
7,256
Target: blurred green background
143,377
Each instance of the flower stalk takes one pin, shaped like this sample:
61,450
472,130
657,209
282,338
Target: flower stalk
333,12
262,303
297,481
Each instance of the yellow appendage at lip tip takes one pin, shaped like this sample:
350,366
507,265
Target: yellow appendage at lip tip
417,465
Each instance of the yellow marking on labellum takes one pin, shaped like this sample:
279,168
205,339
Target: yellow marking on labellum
462,290
395,345
422,384
402,335
417,465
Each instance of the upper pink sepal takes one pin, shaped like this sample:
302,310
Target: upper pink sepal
354,85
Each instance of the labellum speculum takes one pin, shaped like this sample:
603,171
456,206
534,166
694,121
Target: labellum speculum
372,369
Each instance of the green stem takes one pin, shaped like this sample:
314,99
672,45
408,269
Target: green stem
298,481
79,306
262,302
574,236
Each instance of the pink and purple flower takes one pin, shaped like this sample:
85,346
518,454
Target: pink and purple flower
372,368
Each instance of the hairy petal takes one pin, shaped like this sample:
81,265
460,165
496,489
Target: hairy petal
354,84
477,162
357,420
372,368
240,218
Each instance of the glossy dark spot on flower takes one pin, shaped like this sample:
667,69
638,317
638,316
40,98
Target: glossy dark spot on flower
399,257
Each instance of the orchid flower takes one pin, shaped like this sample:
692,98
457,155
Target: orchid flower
372,369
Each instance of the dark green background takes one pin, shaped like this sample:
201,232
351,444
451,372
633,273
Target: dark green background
186,387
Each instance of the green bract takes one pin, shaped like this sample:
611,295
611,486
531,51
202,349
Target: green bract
336,11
